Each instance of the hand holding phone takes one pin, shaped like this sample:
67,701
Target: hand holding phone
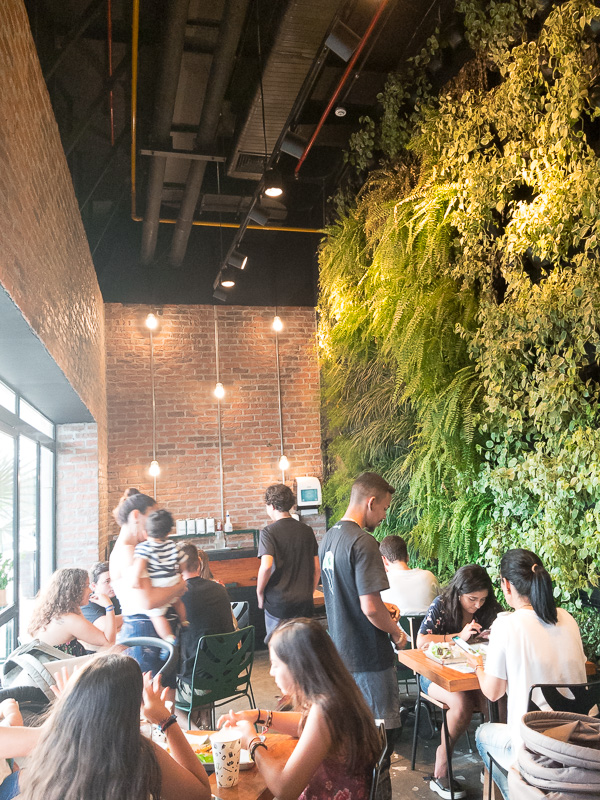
464,645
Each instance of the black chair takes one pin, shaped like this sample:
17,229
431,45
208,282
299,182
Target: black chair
32,702
380,761
422,698
584,699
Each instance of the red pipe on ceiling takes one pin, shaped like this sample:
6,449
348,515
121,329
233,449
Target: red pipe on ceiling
344,78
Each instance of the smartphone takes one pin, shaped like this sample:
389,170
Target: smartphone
464,645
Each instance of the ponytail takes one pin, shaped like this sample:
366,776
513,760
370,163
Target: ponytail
137,501
527,574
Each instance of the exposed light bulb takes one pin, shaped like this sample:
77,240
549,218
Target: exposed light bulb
151,322
227,283
219,390
154,469
284,464
277,324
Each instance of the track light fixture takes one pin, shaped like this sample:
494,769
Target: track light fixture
342,41
258,215
237,260
293,145
220,294
273,183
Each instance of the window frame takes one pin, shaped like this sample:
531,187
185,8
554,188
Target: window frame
13,426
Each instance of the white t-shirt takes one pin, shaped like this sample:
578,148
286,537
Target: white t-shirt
412,590
523,651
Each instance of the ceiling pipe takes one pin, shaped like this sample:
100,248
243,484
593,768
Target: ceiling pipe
166,92
230,30
361,45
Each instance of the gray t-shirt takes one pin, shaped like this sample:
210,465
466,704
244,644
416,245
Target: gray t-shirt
351,566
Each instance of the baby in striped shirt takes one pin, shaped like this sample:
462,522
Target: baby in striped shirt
160,558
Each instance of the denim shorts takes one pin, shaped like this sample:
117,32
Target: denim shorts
150,659
425,684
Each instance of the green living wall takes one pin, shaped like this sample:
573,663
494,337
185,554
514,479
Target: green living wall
460,300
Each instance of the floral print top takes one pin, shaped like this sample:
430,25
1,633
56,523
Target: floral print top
436,620
332,781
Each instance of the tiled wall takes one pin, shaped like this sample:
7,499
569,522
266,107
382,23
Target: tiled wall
186,409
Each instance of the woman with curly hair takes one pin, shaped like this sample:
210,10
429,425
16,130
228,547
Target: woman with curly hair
91,745
57,620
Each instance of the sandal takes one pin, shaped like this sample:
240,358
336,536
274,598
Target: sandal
442,787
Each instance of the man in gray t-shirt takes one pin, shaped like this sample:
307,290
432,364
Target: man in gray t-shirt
359,623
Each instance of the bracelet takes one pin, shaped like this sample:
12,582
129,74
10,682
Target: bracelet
259,719
253,745
167,723
268,721
109,608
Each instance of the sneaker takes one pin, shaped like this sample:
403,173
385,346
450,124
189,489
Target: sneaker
441,786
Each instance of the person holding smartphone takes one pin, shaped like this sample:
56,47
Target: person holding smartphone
536,643
465,607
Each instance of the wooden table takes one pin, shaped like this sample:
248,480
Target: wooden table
450,679
251,785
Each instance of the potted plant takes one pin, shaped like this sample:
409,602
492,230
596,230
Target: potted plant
6,574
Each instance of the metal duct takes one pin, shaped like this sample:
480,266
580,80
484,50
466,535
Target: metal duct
163,117
234,15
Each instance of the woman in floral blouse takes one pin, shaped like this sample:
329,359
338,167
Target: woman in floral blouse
466,608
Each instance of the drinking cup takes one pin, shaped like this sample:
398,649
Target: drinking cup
226,747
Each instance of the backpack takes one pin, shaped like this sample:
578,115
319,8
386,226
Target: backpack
25,666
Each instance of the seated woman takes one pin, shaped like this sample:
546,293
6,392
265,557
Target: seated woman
466,608
538,643
16,741
57,620
91,745
338,741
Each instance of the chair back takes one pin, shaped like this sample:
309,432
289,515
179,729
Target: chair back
138,643
410,624
578,698
241,612
380,761
223,665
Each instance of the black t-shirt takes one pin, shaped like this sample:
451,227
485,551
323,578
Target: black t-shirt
351,566
93,611
289,592
208,611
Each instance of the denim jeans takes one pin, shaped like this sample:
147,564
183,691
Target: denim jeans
150,659
494,738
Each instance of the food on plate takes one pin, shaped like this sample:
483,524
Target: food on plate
204,752
441,650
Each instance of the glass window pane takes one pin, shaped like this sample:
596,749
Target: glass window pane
7,639
33,417
28,575
8,398
7,487
46,513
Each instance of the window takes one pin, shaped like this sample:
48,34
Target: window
27,453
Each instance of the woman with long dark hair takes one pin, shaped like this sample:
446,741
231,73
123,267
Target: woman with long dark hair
466,607
338,741
57,620
536,643
91,745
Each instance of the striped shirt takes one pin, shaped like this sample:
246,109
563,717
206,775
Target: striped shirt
162,557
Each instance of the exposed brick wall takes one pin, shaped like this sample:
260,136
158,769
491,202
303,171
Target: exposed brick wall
186,409
45,263
77,495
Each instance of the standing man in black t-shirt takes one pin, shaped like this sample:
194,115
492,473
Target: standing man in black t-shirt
359,623
289,562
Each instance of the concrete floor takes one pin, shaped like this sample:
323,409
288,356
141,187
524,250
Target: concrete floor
405,783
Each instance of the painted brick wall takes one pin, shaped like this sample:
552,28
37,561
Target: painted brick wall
45,263
186,410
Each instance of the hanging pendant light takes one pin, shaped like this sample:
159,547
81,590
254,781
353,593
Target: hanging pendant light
152,322
273,183
219,391
277,324
284,464
154,470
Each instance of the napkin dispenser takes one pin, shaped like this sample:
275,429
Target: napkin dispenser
308,494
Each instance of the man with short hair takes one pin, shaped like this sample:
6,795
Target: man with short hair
289,562
359,623
412,590
208,611
100,584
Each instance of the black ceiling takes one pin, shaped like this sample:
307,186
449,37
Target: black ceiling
234,43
